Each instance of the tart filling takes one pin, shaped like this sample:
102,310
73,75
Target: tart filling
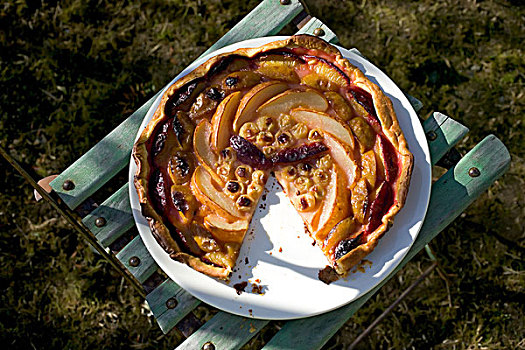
296,108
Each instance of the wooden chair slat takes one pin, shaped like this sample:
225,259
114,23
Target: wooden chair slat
116,213
225,331
447,133
266,19
313,24
146,265
443,133
416,104
491,158
101,162
170,304
112,153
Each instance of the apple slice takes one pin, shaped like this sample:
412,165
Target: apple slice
258,95
222,120
333,125
202,147
290,99
332,211
342,155
202,187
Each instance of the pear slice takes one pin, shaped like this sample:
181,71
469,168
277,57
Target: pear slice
220,223
332,211
216,200
290,99
258,95
333,125
203,151
342,155
222,120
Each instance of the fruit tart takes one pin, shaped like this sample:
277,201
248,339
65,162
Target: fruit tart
295,109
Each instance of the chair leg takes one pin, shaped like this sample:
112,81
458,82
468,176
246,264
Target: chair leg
72,218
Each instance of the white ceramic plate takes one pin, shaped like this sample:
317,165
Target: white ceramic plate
277,254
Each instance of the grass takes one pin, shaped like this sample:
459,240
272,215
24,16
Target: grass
71,71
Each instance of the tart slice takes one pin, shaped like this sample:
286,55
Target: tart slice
295,108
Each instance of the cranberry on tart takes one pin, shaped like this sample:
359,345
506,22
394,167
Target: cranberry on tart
295,108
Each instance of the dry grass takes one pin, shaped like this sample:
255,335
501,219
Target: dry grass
70,72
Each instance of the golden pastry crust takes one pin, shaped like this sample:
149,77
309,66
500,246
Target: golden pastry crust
307,45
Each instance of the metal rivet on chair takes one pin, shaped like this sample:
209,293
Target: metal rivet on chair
171,303
99,222
431,135
319,32
68,185
474,172
208,346
134,261
285,2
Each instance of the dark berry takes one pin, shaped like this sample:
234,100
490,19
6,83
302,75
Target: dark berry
283,138
305,151
241,171
180,166
179,97
179,202
244,201
225,153
159,190
248,153
347,245
306,167
233,186
215,94
178,129
160,139
304,203
231,81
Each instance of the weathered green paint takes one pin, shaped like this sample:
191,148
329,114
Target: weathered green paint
266,19
448,133
225,331
168,318
315,23
492,159
117,213
416,104
136,248
112,153
102,162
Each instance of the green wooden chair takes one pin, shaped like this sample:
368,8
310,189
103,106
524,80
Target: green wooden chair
107,226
